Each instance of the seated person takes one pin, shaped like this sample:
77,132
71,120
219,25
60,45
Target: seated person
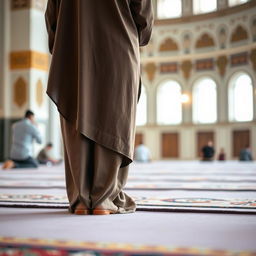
142,154
246,154
208,152
24,132
44,158
222,155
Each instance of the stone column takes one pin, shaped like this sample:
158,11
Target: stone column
155,8
222,4
4,78
1,79
187,7
187,109
222,101
27,64
151,106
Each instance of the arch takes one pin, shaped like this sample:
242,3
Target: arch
205,40
240,97
169,106
168,45
141,115
239,34
204,100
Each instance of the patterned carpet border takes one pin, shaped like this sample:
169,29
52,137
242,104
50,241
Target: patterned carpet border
143,203
197,186
44,247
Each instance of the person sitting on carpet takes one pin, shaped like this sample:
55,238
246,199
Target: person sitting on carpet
43,156
142,154
245,154
222,155
208,152
25,132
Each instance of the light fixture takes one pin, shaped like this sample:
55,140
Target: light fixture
184,98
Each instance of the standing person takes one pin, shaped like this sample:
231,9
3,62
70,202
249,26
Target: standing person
24,132
208,151
94,81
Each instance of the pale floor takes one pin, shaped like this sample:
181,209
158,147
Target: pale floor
204,230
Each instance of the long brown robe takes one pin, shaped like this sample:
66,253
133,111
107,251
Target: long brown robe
94,74
93,174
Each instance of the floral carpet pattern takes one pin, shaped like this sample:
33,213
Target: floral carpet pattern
143,203
43,247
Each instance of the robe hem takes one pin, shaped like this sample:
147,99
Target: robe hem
90,134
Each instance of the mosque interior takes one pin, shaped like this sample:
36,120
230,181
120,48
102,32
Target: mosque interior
198,84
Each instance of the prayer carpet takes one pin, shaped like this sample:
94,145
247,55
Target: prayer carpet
143,203
151,176
140,185
43,247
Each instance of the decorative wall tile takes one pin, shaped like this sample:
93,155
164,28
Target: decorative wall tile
29,59
222,62
239,59
171,67
186,67
20,92
150,69
204,64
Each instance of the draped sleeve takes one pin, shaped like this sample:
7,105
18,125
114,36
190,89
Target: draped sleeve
51,17
143,17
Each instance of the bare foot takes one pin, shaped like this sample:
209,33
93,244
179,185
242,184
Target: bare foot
9,164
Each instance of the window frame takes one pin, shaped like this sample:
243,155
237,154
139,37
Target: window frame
195,115
231,96
161,84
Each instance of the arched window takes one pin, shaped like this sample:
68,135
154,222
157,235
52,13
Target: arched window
205,101
204,6
241,98
169,9
236,2
141,116
169,106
